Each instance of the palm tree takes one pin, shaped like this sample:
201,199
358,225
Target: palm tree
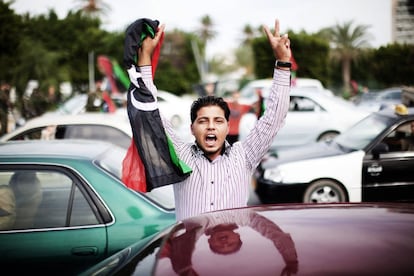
346,41
205,33
249,34
93,8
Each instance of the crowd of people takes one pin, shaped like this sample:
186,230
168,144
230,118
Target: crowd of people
32,103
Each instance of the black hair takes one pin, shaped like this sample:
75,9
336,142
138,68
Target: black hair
208,101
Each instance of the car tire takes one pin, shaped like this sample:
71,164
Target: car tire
324,191
327,136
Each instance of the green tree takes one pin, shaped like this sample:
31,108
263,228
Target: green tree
346,40
310,51
10,37
177,70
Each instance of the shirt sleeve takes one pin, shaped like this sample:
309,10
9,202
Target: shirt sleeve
146,72
260,138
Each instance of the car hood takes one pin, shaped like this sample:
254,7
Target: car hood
297,240
303,152
284,239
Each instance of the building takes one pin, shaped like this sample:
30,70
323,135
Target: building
403,21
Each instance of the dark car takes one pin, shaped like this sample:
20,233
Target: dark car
371,161
64,208
374,101
315,239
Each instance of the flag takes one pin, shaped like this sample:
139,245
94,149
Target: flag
160,163
105,66
293,69
120,75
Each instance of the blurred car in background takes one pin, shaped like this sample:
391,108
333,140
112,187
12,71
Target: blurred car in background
174,108
374,101
371,161
108,127
334,239
312,116
64,208
248,94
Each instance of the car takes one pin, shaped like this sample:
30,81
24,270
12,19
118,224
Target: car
371,161
291,239
176,109
114,128
312,116
374,101
63,205
248,94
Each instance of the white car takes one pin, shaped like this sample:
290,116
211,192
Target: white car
312,116
108,127
248,93
174,108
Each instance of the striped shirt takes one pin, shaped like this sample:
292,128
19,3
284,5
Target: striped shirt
224,182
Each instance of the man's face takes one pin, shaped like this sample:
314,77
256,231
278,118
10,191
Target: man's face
210,129
224,241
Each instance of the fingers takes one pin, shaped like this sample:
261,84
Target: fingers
267,32
277,28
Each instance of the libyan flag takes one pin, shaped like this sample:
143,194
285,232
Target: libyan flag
151,160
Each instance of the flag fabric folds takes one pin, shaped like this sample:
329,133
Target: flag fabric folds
151,145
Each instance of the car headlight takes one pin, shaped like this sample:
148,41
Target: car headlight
274,174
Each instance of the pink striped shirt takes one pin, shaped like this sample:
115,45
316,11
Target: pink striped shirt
224,182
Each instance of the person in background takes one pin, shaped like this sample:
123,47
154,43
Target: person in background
221,173
237,110
4,107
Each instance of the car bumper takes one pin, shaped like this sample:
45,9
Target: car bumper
272,192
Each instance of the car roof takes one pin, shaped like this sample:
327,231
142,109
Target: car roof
393,111
85,149
115,120
361,234
308,239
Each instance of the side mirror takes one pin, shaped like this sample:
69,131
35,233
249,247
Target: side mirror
379,149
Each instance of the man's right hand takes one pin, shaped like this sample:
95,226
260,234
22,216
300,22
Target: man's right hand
148,46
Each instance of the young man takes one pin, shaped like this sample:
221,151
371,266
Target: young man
221,173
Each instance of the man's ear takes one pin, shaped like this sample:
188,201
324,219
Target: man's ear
192,131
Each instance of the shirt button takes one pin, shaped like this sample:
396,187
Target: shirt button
212,182
211,204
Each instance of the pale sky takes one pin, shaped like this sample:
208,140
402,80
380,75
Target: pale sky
230,16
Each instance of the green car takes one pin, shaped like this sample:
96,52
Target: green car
64,208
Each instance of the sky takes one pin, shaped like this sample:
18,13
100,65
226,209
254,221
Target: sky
230,16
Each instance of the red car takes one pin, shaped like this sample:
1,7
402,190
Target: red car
317,239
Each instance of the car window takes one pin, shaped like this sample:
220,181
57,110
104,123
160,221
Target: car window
301,104
362,133
37,199
401,139
98,132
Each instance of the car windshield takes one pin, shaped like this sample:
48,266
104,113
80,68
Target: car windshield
111,161
361,134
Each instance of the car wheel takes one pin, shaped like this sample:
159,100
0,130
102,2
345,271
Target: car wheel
327,136
324,191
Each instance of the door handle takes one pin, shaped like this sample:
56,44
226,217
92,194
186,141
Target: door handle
85,251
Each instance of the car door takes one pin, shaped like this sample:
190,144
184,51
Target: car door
390,176
55,224
304,122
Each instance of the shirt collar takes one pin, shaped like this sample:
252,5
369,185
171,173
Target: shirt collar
198,152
